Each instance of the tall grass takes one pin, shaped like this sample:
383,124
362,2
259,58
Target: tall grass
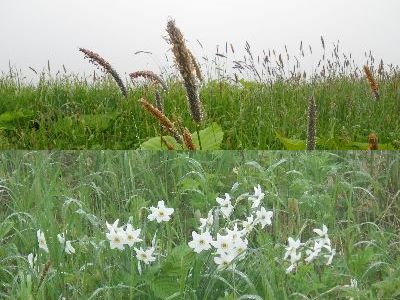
254,98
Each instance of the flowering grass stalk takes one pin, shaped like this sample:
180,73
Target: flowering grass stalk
99,61
187,69
162,118
372,82
150,76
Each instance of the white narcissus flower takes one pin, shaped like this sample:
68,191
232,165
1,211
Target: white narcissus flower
257,197
42,241
330,257
207,223
131,235
160,213
223,244
224,260
264,217
291,268
113,226
323,234
32,259
145,256
240,248
117,239
200,241
66,244
313,254
235,234
291,250
248,225
226,205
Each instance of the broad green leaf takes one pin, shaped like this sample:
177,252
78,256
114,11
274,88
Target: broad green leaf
211,139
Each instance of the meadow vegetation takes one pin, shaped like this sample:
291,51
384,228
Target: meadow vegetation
81,194
251,102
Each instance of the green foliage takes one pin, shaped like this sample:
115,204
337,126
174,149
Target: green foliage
353,193
65,113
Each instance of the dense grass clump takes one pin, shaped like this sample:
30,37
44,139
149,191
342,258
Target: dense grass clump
71,113
355,194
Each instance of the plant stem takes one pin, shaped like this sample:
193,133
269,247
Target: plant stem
198,135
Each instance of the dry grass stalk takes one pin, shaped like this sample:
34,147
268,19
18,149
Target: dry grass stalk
372,82
100,62
150,76
372,142
43,274
187,138
187,69
312,122
162,118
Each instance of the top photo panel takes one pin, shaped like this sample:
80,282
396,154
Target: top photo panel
200,75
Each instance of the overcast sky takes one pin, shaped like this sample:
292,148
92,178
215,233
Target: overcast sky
33,31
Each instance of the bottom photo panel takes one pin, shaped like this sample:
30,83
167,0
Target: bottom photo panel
199,225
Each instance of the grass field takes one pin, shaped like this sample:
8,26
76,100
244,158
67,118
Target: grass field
67,113
355,194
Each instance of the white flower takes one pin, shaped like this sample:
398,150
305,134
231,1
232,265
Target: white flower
32,259
200,241
291,268
131,235
330,257
117,239
291,250
42,240
257,197
66,244
114,226
323,233
226,205
248,225
313,254
207,223
223,244
263,217
145,256
240,248
160,213
234,234
224,261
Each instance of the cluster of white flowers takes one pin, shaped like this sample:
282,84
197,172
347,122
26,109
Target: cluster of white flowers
118,237
230,243
42,243
319,247
67,246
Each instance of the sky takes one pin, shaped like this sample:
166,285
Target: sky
35,31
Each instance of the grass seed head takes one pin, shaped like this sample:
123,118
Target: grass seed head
372,82
149,75
187,138
98,61
372,142
186,65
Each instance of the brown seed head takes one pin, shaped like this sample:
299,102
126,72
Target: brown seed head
100,62
372,82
